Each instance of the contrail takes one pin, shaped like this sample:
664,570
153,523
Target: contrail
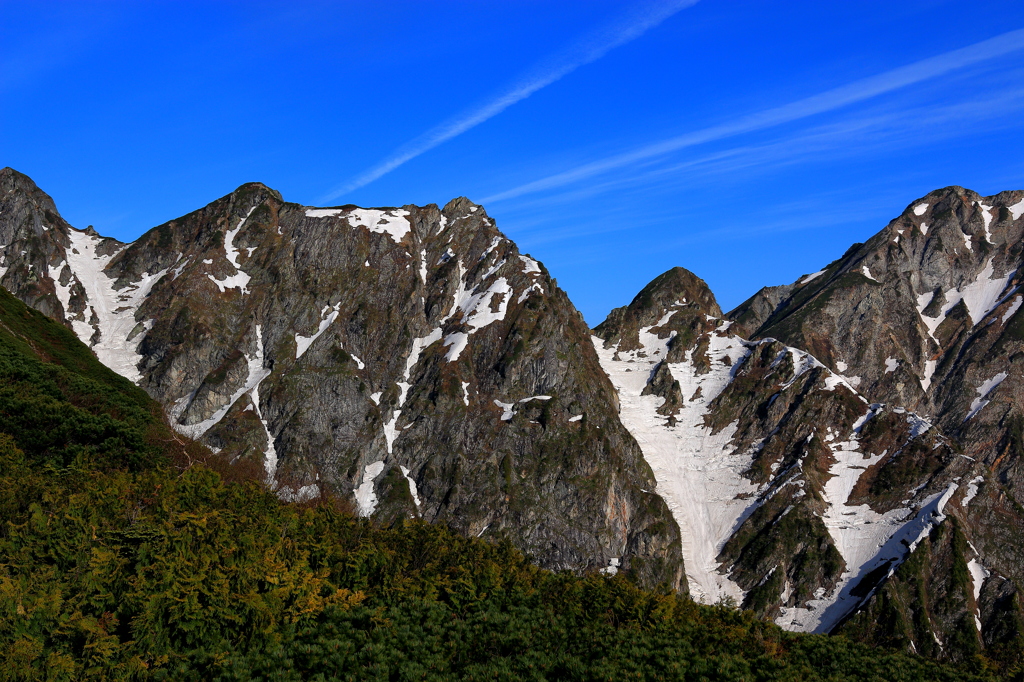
563,63
826,101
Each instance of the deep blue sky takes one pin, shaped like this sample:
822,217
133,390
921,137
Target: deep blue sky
130,114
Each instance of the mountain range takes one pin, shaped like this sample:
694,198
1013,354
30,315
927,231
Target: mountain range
841,454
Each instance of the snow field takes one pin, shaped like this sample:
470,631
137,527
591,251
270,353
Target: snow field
114,309
697,472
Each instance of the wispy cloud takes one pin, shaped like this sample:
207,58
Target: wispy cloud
592,48
829,100
869,133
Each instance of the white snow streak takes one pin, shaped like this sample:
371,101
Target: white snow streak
240,279
811,277
366,496
1014,307
865,539
507,412
477,313
986,389
986,215
302,343
979,574
418,345
972,490
412,487
323,212
530,266
256,373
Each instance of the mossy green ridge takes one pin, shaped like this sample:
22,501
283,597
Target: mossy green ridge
61,406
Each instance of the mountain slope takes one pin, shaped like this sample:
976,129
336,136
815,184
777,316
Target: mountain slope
116,564
924,314
927,314
411,358
795,496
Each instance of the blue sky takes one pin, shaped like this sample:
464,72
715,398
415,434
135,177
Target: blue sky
748,141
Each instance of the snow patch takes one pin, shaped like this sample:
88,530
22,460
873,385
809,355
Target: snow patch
530,266
929,372
493,269
1017,209
477,313
392,223
490,247
526,292
1014,307
366,496
979,296
891,364
979,574
418,345
920,209
412,487
984,391
867,273
302,343
967,241
256,373
986,216
240,279
811,277
507,412
866,540
323,212
972,490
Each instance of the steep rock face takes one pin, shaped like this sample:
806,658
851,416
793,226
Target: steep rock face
33,237
927,314
795,496
411,358
924,314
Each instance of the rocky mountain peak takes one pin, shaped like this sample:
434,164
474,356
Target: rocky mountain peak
410,359
462,206
675,303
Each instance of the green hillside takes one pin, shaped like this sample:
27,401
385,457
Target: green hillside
120,558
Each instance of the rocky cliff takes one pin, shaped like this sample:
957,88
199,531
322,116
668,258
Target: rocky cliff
795,495
410,358
925,315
